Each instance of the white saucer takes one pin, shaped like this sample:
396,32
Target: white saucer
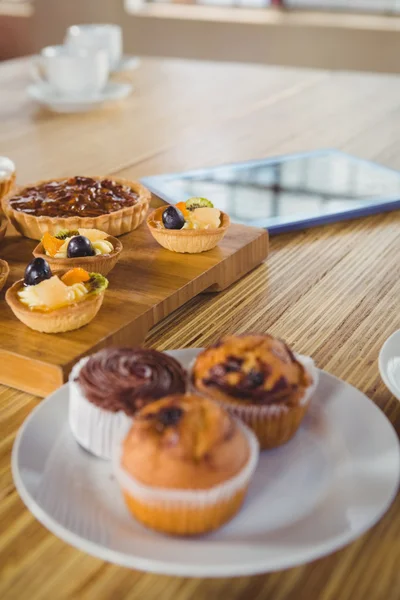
389,363
44,94
320,491
127,63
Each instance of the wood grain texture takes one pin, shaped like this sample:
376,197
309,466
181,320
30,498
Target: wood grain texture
332,292
147,284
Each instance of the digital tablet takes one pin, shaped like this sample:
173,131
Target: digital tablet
288,192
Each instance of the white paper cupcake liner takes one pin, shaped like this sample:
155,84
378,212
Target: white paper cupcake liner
171,499
96,429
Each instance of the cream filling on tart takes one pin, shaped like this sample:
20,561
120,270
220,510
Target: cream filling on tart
100,247
51,294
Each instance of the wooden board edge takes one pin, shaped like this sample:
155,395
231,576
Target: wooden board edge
29,375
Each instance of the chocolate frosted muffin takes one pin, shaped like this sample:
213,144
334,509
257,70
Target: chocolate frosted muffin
185,465
128,378
259,379
107,389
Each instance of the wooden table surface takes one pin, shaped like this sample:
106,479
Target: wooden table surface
332,292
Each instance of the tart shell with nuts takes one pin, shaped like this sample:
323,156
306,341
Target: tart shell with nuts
115,205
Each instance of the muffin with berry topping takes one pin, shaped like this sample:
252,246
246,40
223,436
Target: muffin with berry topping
259,379
185,465
109,387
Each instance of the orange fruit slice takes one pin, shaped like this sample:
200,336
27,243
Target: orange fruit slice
51,244
182,208
76,275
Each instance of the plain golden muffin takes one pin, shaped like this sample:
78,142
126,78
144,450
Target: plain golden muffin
184,442
185,465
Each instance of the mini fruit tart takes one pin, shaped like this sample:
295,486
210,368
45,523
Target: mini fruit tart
7,176
3,227
4,273
56,303
115,206
90,249
193,226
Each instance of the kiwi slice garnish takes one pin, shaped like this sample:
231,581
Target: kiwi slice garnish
193,203
96,284
63,234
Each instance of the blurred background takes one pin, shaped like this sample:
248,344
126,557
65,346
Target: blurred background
334,34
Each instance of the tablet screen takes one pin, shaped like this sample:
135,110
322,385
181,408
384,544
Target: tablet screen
288,192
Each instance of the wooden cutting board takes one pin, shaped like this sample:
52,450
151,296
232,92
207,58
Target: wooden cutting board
147,284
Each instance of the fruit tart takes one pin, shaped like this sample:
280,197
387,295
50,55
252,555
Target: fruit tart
89,249
193,226
4,273
56,303
114,206
3,227
260,380
7,176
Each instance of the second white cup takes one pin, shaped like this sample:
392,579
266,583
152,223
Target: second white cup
102,35
78,73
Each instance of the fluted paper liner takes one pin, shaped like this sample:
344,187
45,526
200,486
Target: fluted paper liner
96,429
187,512
274,424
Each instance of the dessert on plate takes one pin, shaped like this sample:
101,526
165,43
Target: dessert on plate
56,303
260,380
185,465
108,388
7,176
193,226
4,273
90,249
114,206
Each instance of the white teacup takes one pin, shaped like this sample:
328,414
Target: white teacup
102,35
75,73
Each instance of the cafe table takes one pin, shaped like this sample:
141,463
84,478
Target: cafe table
332,292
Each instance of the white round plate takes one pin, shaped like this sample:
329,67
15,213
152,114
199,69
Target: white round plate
127,63
389,363
324,488
43,93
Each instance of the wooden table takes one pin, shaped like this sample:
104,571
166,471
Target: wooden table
333,292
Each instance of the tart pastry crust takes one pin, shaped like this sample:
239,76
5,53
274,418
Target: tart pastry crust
7,176
58,320
114,223
3,226
190,241
4,272
101,263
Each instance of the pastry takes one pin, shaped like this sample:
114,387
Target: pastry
114,206
185,465
192,226
90,249
56,303
7,176
260,380
3,227
4,273
107,389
